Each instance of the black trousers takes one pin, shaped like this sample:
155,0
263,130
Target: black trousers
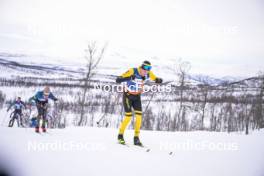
17,115
19,112
42,114
132,101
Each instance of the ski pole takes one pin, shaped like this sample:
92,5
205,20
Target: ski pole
98,122
165,83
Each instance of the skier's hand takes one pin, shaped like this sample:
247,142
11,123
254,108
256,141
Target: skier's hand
133,77
31,103
158,80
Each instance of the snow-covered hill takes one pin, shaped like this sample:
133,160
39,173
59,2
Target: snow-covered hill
13,65
94,151
23,75
205,79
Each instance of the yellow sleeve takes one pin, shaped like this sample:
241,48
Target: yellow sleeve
128,73
152,76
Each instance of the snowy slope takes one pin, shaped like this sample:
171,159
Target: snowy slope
93,151
13,65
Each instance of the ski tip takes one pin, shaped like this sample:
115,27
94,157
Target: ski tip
121,142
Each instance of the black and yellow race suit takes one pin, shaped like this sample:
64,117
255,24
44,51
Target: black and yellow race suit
134,84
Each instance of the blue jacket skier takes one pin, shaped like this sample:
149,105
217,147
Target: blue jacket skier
17,114
41,99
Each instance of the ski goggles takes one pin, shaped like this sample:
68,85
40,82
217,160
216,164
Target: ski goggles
46,94
146,67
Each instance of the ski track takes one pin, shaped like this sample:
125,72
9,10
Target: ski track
104,156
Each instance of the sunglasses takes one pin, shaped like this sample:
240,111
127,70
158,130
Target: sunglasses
147,67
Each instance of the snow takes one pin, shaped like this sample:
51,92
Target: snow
111,64
94,151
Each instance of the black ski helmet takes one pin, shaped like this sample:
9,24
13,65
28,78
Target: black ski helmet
146,65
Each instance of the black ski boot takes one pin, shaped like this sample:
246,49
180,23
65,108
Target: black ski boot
44,130
137,141
37,129
11,123
121,139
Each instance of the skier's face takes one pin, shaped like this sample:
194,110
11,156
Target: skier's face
143,72
46,95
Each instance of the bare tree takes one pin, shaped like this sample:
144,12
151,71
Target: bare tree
213,117
93,56
246,112
259,107
205,91
148,120
181,69
2,98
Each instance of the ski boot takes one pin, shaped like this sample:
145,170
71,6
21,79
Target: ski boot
37,129
44,130
11,123
121,139
137,141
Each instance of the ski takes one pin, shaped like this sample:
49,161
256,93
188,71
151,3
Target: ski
136,146
39,133
123,144
147,149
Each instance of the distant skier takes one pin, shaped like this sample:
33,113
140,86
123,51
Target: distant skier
41,99
135,79
17,114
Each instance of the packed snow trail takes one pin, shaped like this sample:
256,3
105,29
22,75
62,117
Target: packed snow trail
95,151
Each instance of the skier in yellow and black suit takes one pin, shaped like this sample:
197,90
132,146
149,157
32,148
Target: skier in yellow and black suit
134,78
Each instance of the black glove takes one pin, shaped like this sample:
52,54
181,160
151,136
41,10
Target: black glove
143,78
158,80
132,77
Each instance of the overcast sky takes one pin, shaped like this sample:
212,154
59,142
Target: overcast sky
219,37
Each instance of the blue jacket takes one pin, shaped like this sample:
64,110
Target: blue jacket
17,104
40,98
